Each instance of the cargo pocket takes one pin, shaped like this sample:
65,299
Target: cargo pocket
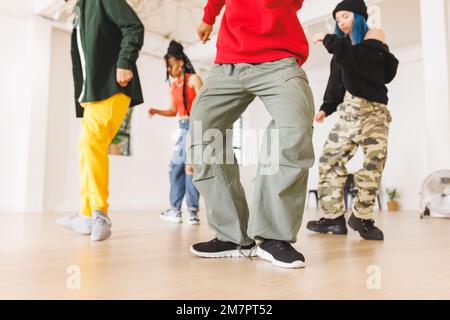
298,84
203,172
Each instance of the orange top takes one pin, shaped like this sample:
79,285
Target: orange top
177,96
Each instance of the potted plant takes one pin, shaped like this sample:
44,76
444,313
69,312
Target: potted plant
393,195
114,147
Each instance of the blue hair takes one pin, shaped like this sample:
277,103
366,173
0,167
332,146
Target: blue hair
359,30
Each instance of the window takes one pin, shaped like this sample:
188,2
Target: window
121,144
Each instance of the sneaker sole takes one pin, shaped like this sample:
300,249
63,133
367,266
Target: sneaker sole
193,222
171,219
267,256
225,254
81,230
330,230
107,236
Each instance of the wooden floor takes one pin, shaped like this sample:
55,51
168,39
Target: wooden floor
149,259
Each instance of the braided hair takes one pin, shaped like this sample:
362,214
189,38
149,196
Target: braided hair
176,51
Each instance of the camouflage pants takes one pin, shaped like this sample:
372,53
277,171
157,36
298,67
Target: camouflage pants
361,123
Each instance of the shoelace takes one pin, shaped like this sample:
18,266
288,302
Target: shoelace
368,224
249,256
103,219
322,220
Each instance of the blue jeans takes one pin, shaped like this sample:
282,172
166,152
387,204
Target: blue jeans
181,182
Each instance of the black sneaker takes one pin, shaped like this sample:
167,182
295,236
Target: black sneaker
324,225
281,254
222,249
366,228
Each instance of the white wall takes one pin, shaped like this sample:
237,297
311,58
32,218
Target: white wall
14,105
141,181
24,88
436,52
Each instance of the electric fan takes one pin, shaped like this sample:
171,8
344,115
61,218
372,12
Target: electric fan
435,195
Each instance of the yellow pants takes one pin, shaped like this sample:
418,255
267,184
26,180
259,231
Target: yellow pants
100,124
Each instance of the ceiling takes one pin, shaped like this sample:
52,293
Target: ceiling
174,19
178,19
170,19
164,20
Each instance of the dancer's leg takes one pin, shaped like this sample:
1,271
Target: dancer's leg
281,183
100,124
218,105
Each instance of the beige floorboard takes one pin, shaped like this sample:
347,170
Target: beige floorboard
147,258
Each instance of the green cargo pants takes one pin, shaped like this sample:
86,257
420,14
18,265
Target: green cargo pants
279,197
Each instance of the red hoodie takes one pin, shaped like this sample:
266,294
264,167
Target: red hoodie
256,31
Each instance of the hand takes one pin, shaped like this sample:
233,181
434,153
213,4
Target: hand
123,76
204,32
151,112
189,170
318,37
320,116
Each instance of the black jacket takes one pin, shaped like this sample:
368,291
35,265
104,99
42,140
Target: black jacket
363,70
111,37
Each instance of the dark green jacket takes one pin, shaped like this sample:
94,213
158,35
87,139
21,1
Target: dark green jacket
111,37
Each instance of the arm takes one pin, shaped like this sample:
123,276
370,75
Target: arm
212,10
335,92
368,59
376,34
391,64
195,82
297,4
279,3
171,112
335,44
132,29
344,52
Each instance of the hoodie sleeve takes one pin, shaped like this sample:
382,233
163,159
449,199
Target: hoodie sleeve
296,4
371,59
212,10
341,48
335,91
132,29
391,68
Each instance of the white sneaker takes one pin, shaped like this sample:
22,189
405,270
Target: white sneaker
193,218
171,215
77,223
101,226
